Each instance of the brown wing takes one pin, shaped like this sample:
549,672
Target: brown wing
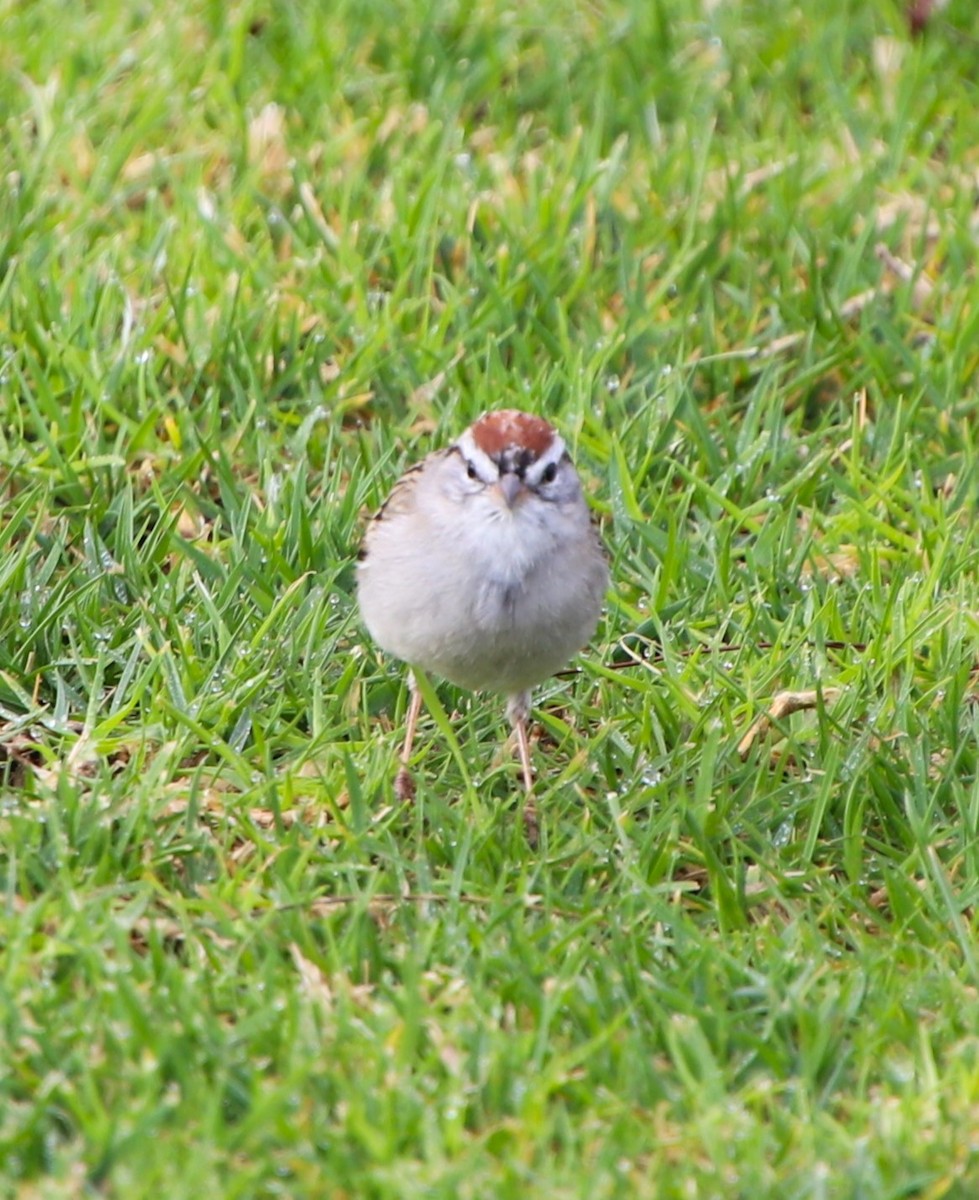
400,500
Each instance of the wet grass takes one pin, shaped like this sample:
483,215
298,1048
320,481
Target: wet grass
254,261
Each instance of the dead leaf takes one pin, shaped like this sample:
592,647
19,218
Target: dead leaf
191,525
20,748
265,818
267,149
922,287
784,705
425,393
835,565
312,980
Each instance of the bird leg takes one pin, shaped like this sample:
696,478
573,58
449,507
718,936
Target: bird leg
518,709
404,785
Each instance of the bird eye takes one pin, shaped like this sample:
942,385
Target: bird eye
471,470
550,473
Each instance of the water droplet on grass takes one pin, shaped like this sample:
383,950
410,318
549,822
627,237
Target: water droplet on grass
783,835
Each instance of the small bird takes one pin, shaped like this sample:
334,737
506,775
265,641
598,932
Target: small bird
484,567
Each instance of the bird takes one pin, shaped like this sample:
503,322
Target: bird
484,566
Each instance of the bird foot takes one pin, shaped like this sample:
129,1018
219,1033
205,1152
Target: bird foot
530,826
404,785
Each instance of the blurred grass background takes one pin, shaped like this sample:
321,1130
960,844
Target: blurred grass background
253,260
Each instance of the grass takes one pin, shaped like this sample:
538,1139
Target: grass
253,261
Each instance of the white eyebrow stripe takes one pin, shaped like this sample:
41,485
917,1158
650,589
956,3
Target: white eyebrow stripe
486,468
554,452
551,457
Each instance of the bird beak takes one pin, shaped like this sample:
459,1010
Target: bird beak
511,488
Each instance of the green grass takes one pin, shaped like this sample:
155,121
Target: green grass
232,964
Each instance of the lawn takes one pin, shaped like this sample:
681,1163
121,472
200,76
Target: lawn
257,258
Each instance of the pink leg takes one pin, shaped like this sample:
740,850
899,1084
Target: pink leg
404,785
518,709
